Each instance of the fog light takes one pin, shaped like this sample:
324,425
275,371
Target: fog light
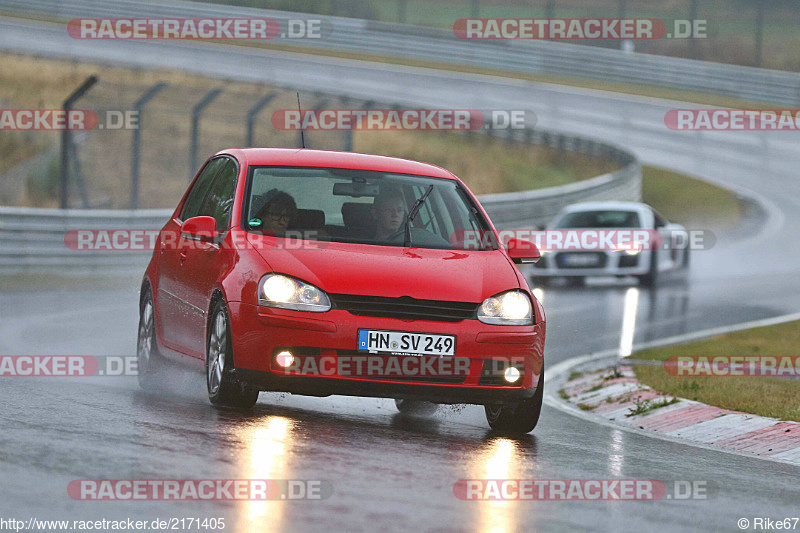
512,374
284,359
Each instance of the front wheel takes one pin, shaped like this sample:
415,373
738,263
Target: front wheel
223,389
519,418
651,278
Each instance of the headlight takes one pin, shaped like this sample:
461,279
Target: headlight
277,290
512,308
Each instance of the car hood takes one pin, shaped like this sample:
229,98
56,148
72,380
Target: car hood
392,271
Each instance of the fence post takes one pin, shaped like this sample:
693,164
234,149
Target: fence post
197,110
692,39
348,135
551,9
759,32
137,140
251,116
66,139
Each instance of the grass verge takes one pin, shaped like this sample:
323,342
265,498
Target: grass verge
764,396
689,201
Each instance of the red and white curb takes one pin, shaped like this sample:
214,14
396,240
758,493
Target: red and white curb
686,422
615,394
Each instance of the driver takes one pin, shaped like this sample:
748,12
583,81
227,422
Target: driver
277,213
389,212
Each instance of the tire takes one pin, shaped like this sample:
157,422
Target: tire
519,418
149,361
651,278
416,407
223,389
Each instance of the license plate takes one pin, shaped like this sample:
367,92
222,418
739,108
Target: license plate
403,343
582,260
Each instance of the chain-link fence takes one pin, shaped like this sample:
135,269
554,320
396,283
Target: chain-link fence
151,139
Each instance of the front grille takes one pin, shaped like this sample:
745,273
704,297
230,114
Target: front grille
579,259
628,261
405,308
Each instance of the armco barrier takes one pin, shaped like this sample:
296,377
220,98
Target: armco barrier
440,45
32,240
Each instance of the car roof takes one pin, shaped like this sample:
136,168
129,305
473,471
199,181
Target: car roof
304,157
609,205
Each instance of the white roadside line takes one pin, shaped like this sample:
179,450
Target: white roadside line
556,376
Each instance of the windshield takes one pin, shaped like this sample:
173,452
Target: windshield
599,219
358,206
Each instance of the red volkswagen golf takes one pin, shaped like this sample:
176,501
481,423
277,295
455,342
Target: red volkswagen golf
319,273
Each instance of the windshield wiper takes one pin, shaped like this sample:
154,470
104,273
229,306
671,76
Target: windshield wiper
413,214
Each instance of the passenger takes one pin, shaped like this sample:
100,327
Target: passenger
389,212
277,213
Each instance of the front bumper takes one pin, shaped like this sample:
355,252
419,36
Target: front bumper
259,332
611,264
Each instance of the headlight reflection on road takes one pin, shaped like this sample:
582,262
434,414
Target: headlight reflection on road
500,459
629,321
616,459
268,443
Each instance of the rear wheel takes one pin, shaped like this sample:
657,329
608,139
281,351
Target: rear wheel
416,407
223,389
519,418
149,361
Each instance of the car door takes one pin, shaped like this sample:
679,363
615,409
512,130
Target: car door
174,314
206,262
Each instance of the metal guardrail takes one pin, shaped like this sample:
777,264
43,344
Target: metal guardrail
33,240
439,45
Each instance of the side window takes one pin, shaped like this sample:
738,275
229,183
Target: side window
198,192
218,203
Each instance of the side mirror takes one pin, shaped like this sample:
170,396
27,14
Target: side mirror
522,252
200,228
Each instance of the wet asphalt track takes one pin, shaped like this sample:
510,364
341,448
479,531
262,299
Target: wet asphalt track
391,472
